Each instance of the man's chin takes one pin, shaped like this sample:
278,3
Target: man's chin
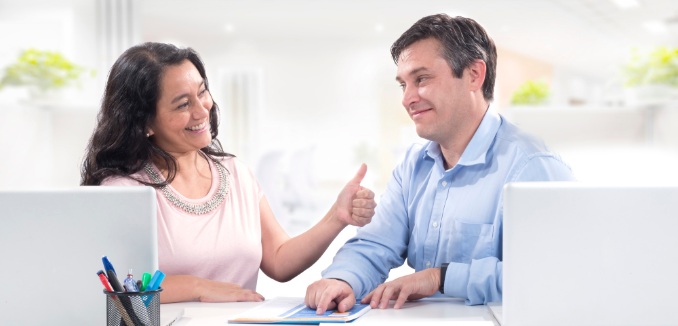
423,133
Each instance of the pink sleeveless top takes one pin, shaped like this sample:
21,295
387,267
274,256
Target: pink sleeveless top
223,244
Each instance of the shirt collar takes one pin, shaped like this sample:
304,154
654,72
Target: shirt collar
477,148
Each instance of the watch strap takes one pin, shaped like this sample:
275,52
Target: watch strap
443,271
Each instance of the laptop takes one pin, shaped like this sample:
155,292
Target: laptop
51,247
584,254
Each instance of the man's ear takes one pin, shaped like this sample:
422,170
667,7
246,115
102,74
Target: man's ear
476,71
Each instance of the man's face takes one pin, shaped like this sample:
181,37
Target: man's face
437,102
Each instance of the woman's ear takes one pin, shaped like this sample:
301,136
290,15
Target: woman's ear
149,132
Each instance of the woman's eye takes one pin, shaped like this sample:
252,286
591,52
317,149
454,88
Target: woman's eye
183,105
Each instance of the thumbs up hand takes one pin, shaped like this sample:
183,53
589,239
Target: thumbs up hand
355,204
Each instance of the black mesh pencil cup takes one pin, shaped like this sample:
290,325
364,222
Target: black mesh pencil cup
133,308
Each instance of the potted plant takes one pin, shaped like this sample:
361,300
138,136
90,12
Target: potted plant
651,78
531,92
42,72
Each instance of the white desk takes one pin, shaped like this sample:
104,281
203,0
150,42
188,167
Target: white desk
430,311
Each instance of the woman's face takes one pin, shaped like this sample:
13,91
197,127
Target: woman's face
182,123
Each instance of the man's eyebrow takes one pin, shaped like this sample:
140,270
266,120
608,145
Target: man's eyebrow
413,72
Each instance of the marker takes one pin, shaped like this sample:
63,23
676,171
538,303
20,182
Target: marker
104,281
153,285
157,278
145,279
116,300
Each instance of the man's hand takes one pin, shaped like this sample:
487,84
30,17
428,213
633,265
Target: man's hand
411,287
329,294
355,204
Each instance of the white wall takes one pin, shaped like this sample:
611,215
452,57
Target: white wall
43,141
328,102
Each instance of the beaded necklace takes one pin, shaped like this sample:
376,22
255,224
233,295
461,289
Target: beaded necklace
196,209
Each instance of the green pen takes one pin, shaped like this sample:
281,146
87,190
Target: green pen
145,279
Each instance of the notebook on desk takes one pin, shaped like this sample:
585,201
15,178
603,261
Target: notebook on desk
578,254
52,242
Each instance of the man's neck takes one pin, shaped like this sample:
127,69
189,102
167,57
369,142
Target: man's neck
459,140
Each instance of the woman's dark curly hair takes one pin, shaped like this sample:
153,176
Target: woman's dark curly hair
119,146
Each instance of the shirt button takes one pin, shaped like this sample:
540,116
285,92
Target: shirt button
428,264
444,183
435,224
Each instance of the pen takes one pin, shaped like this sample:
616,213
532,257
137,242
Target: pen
115,299
126,302
137,302
115,283
107,264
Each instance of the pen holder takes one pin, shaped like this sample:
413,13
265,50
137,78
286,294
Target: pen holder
133,308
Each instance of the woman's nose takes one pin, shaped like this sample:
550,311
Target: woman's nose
202,109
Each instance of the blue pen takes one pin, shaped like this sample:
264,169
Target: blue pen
107,264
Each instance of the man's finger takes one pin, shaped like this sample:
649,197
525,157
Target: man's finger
309,299
367,298
326,301
386,297
346,304
401,299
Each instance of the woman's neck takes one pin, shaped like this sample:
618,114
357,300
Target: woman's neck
193,177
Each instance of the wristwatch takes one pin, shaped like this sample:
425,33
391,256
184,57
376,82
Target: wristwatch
443,271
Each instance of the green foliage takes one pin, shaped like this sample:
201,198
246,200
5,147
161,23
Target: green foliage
43,70
659,66
531,93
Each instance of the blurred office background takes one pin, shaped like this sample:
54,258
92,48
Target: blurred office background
307,91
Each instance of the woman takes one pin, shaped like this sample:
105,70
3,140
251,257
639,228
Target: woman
158,126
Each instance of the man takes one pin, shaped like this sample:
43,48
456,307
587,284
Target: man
442,208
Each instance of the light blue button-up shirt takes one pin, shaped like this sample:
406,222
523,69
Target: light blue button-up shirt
430,216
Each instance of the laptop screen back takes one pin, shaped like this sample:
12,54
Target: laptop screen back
52,245
578,254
